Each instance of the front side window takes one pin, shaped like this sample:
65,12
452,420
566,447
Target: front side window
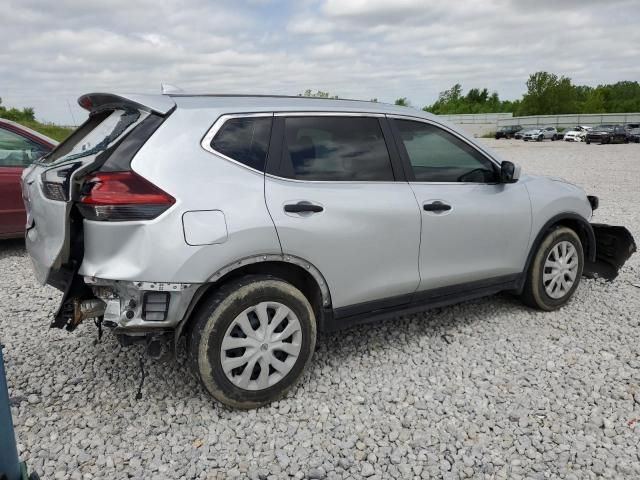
245,140
18,151
337,148
438,156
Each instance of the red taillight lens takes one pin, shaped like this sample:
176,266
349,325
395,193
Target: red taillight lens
122,196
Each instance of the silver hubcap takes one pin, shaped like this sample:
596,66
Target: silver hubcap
560,269
261,346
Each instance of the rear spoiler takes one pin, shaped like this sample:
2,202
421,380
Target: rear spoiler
160,104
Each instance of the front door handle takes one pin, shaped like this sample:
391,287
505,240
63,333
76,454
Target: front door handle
436,207
302,207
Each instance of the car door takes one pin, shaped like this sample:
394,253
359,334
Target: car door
331,191
16,153
474,229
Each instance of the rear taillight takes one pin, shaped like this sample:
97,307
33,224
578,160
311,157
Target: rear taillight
55,182
122,196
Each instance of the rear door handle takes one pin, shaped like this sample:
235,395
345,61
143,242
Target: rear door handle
436,207
302,207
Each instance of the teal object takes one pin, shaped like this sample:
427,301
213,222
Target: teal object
10,467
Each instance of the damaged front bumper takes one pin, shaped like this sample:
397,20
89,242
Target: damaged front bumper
614,246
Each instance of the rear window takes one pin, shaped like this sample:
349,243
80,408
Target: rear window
99,132
245,140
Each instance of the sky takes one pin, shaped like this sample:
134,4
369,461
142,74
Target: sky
54,51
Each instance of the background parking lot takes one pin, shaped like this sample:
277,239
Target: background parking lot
485,389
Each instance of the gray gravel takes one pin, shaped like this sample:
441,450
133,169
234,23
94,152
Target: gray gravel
487,389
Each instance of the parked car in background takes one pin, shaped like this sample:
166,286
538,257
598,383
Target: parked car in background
607,134
634,135
540,134
520,133
225,219
508,131
576,134
19,147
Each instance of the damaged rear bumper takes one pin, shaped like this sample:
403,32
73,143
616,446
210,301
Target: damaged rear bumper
614,246
134,308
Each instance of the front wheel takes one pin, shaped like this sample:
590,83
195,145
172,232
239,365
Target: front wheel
555,271
251,340
540,138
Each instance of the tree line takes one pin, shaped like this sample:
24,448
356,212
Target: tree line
26,116
547,94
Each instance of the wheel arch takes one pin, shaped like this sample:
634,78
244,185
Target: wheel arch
302,274
570,220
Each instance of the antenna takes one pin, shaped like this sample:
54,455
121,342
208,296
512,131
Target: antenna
167,88
71,112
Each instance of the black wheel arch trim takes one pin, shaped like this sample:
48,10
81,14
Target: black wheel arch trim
303,264
587,231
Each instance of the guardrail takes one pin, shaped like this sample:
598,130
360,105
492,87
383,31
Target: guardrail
562,121
476,118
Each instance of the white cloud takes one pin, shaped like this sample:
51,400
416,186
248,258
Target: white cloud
54,51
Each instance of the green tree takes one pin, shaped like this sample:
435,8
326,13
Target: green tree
402,101
594,103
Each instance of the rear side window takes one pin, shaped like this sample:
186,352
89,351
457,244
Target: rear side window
245,140
335,149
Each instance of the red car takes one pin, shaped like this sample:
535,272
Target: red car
19,146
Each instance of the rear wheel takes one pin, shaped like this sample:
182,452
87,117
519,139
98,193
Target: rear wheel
555,271
251,341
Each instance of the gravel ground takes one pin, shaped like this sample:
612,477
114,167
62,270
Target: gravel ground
487,389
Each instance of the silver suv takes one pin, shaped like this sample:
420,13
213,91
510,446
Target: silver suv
245,224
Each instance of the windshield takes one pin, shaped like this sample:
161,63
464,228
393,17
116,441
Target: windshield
603,127
92,137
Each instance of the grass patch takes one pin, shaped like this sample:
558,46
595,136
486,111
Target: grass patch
49,129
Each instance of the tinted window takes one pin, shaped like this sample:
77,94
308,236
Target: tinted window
18,151
245,140
438,156
336,149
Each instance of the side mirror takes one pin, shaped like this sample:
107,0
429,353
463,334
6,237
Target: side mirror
509,172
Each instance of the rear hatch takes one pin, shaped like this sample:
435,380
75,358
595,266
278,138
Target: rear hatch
117,127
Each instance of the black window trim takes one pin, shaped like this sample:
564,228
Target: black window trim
205,143
407,163
276,151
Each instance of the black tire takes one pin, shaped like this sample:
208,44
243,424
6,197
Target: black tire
216,315
534,293
540,138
